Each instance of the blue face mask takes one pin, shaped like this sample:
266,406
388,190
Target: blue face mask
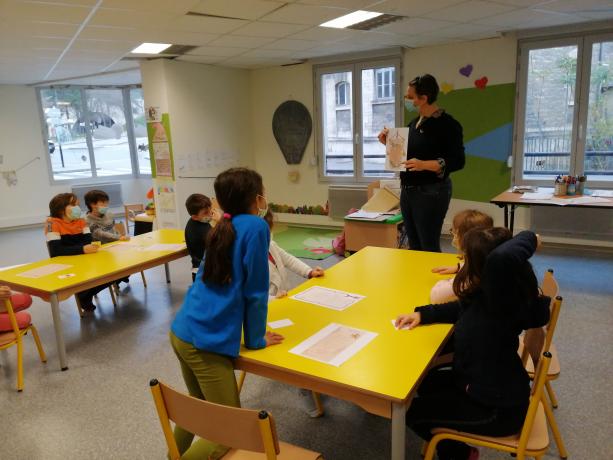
408,104
75,213
103,210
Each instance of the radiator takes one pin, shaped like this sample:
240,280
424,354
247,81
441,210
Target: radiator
112,189
581,223
342,198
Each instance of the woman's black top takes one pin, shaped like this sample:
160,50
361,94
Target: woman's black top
437,137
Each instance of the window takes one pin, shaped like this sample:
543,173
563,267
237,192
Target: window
347,136
385,83
95,132
565,110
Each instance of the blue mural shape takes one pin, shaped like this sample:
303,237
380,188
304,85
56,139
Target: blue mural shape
495,145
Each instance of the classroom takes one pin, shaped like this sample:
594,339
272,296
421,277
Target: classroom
382,228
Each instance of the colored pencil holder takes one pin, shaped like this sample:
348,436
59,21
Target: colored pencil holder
571,189
560,189
580,189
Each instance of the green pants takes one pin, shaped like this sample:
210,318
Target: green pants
207,376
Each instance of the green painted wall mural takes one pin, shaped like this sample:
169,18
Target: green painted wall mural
486,116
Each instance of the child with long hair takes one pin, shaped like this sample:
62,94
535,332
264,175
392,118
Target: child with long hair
229,294
486,391
463,221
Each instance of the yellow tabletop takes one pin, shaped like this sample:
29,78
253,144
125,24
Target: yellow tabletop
394,281
86,268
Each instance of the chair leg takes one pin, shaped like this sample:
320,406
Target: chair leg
113,298
554,429
241,380
39,345
430,448
319,408
19,363
552,394
76,297
142,275
424,446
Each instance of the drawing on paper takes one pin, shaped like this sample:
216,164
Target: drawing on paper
396,149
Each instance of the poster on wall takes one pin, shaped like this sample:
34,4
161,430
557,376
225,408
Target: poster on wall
160,143
165,202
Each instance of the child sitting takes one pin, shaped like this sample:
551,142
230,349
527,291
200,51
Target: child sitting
462,223
68,235
197,228
279,260
100,221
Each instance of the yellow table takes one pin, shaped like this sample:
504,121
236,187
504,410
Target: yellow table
92,270
382,377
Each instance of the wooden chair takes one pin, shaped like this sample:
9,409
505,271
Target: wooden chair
532,440
21,324
122,230
245,431
527,347
130,211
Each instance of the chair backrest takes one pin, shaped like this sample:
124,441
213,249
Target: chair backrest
536,395
550,286
251,429
537,341
120,228
7,308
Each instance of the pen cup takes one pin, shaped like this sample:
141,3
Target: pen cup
560,189
580,189
571,189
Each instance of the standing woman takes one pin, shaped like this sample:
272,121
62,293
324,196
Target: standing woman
435,149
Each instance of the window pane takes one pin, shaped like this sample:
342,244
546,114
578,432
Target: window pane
63,113
599,135
140,130
337,124
376,113
107,124
550,96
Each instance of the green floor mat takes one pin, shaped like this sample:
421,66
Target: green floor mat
309,243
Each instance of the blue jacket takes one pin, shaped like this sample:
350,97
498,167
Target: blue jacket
211,316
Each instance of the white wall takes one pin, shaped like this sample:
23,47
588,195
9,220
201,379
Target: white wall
209,109
22,139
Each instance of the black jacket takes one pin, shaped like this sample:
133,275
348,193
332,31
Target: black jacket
195,240
485,363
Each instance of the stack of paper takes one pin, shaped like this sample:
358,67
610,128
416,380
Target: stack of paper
383,200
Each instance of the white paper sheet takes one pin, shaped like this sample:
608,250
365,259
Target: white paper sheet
121,247
364,215
280,323
334,344
164,247
579,200
536,196
396,149
329,298
602,193
45,270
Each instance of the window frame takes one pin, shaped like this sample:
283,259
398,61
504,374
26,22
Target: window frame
94,178
355,66
584,43
383,73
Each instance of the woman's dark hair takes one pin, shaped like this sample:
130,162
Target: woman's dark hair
236,190
426,85
58,204
93,197
477,245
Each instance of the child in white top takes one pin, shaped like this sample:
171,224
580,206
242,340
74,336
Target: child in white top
462,222
279,261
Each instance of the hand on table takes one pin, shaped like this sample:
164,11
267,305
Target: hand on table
445,270
272,338
281,294
411,320
90,248
317,272
124,238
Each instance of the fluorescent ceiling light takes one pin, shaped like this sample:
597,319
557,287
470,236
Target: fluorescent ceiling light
350,19
151,48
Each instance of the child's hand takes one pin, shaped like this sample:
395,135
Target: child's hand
272,338
124,238
411,320
317,272
281,294
445,270
90,248
5,292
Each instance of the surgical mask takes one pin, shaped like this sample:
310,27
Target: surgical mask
103,210
205,219
408,104
263,211
75,213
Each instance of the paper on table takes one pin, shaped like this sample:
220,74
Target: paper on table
603,193
280,323
403,328
164,247
334,344
578,200
45,270
120,247
536,196
364,215
329,298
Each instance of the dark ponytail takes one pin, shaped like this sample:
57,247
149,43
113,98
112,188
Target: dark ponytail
236,190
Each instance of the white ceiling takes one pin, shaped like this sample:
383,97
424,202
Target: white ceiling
50,40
